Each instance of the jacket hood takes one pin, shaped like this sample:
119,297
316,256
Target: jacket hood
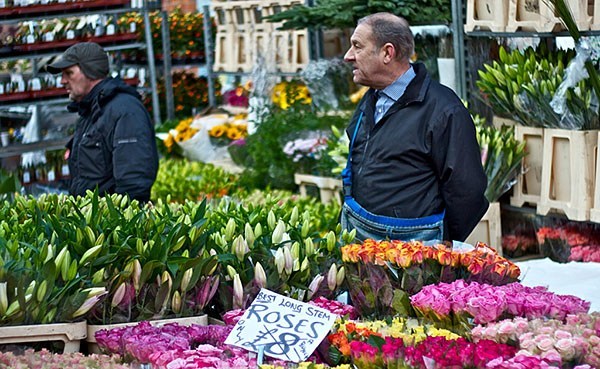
101,94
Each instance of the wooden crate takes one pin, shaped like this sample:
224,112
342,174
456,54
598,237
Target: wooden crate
568,173
295,56
489,229
532,15
539,15
223,49
69,333
594,9
529,184
491,15
329,188
595,211
498,122
243,35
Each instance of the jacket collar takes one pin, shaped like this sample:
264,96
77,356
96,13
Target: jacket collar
89,101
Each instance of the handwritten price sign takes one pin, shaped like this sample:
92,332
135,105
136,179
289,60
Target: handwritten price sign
285,328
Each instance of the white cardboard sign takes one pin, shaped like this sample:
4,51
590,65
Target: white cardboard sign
285,328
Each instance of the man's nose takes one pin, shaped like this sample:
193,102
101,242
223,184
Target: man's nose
349,56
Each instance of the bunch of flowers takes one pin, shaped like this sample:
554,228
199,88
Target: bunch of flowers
238,96
570,242
275,247
346,332
336,307
234,129
501,157
306,365
575,341
586,254
185,31
190,92
383,273
182,132
286,94
179,180
307,152
432,352
528,361
486,303
515,245
31,359
173,346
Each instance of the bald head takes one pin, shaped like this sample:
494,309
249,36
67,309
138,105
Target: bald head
390,28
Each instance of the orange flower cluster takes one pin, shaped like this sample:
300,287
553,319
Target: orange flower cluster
342,338
405,254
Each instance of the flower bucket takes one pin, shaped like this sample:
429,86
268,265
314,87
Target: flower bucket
93,328
69,333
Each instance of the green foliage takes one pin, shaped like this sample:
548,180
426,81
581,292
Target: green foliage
267,166
108,260
501,156
9,184
180,180
345,13
521,85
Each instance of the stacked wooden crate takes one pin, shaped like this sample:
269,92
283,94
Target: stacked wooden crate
243,35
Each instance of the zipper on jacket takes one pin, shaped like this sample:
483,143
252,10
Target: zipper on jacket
364,153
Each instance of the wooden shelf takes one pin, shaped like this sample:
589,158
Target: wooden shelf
18,149
75,8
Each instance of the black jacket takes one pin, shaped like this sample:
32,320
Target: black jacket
113,147
421,158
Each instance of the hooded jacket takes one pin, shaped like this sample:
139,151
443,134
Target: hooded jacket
420,159
113,147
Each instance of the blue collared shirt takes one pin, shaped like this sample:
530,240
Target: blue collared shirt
389,95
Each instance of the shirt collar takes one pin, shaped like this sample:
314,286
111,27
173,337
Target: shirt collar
397,88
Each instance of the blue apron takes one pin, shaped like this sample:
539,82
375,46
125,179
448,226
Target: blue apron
379,227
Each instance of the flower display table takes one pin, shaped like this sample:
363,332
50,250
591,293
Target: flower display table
69,333
93,328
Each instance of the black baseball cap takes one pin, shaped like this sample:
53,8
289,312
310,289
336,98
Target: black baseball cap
90,57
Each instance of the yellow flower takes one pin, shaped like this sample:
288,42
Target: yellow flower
168,142
233,134
217,131
355,97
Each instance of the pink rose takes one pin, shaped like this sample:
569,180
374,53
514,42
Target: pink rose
544,342
552,357
566,348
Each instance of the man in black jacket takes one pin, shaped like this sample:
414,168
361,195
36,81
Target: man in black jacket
113,148
414,170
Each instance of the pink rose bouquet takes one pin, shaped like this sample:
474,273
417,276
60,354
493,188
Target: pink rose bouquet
576,340
486,303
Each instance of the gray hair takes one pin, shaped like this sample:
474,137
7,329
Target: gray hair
390,28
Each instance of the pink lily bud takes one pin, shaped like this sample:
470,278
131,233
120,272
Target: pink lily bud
314,285
119,295
289,260
137,272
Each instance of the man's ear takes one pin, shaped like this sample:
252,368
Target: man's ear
389,52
